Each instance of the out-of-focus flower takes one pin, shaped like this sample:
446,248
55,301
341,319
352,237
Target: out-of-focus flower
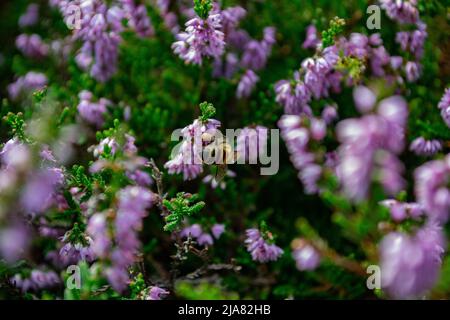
256,53
92,112
138,18
217,230
25,84
30,17
401,210
312,40
306,257
32,46
402,11
38,280
410,265
14,242
252,144
423,147
246,84
261,250
444,106
365,99
157,293
297,135
431,187
369,149
196,232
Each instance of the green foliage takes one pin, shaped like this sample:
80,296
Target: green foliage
202,8
207,111
184,205
336,27
16,123
204,291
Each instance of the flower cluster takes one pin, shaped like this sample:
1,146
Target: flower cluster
27,83
202,38
92,112
260,246
37,280
306,256
410,264
32,46
444,107
297,132
369,149
423,147
187,158
203,238
432,191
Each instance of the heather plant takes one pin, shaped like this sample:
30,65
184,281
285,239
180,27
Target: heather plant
99,201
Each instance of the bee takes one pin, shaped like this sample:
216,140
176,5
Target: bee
223,154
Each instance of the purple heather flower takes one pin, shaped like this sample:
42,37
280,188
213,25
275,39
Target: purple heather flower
246,84
412,70
318,129
32,46
431,188
15,155
231,17
202,38
401,11
401,211
226,67
260,250
30,17
402,38
187,157
133,204
365,99
100,148
396,62
98,229
252,144
256,53
157,293
14,242
297,135
312,40
141,178
99,32
444,106
306,257
205,239
92,112
39,193
25,84
138,18
410,265
217,230
38,280
369,149
73,253
329,114
423,147
193,231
